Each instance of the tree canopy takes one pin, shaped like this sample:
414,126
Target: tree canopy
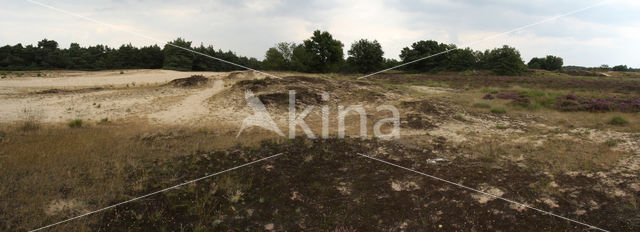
320,53
324,53
365,56
48,55
547,63
503,61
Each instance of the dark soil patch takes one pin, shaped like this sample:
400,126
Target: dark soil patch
418,121
254,84
54,91
422,106
303,96
321,185
192,81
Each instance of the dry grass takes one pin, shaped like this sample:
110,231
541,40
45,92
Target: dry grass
56,172
30,120
553,155
550,117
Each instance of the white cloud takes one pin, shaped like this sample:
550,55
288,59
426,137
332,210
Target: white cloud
606,34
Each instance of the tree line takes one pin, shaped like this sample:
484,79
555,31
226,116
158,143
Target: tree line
320,53
47,55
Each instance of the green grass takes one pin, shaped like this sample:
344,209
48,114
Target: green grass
76,123
618,121
482,105
498,110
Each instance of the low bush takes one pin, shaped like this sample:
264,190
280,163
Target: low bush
498,110
618,121
572,102
482,105
488,97
30,120
76,123
508,95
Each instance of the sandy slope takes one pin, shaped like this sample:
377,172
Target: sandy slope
134,94
71,79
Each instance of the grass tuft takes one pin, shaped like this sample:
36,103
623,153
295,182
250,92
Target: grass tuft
482,105
76,123
618,121
498,110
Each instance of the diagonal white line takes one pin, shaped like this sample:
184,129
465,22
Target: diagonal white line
156,192
490,37
145,36
482,192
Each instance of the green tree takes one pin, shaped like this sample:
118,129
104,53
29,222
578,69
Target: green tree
279,57
151,57
75,53
553,63
176,58
550,63
325,53
127,56
203,63
422,49
462,59
389,63
622,68
301,59
365,56
274,60
504,61
536,63
49,55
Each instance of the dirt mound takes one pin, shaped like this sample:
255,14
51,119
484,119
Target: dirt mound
192,81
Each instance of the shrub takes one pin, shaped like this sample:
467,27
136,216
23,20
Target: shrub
488,97
521,101
76,123
104,120
459,117
30,121
508,95
482,105
498,110
618,121
612,142
501,127
572,102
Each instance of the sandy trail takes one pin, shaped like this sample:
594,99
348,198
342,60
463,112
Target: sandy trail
193,107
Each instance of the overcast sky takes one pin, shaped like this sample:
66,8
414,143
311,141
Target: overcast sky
606,34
